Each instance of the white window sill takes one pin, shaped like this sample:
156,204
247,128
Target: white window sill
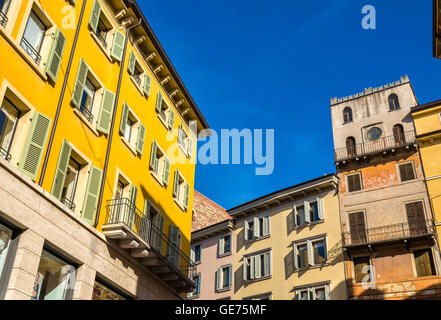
223,289
223,255
157,178
163,121
140,89
128,145
180,205
259,279
308,224
193,297
106,51
257,239
316,266
86,122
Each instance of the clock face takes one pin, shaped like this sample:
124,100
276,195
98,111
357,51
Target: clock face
374,134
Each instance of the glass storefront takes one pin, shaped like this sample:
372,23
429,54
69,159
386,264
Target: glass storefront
102,292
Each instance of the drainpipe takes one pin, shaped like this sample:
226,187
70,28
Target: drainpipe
60,101
112,125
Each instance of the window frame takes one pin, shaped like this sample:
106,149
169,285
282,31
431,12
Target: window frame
412,163
304,242
193,295
247,263
179,200
371,270
220,287
359,173
224,254
432,256
311,289
247,229
136,124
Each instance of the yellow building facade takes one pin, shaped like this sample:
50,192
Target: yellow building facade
96,117
427,119
288,245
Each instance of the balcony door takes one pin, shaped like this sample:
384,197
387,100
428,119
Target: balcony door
357,227
416,218
350,147
399,135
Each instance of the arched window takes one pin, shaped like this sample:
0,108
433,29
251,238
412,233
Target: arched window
399,135
347,115
350,146
394,103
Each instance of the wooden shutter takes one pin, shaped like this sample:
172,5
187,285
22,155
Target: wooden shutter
246,228
190,147
147,85
424,263
34,145
416,218
158,102
307,212
245,268
118,46
310,250
92,192
267,263
140,140
354,182
252,267
80,81
166,175
266,229
357,227
160,225
257,267
219,284
95,16
61,171
296,258
55,55
133,194
132,63
221,246
256,227
153,152
406,172
294,212
176,184
321,208
124,116
186,195
106,112
171,119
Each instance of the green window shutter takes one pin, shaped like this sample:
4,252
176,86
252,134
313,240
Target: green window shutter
132,63
186,195
124,116
55,55
147,85
256,228
79,83
245,268
160,225
146,207
321,211
294,212
172,238
158,102
95,16
133,194
34,146
328,292
118,46
221,246
92,192
246,228
153,151
296,259
252,267
190,147
176,184
306,212
192,254
310,253
267,263
257,267
106,111
171,120
61,171
166,175
219,283
265,226
140,140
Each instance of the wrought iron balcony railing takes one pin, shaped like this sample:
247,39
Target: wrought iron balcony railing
101,39
391,232
3,19
34,54
5,154
137,78
371,147
123,211
68,203
86,113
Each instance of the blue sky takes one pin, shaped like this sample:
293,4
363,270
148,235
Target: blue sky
276,64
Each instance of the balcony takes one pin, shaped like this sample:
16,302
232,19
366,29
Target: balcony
86,113
34,54
134,232
382,145
101,38
5,154
389,233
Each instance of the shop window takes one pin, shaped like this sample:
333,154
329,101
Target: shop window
104,292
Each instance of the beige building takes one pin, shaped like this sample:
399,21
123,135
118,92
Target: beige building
288,244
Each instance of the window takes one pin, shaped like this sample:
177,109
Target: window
174,245
309,212
416,218
185,142
4,7
132,131
103,292
347,115
351,147
407,171
195,254
54,279
73,171
103,31
164,112
159,164
264,296
399,136
310,253
257,266
394,103
224,245
362,270
223,277
138,75
197,290
93,103
424,263
181,190
156,219
33,35
374,133
357,227
9,117
314,292
257,228
354,182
